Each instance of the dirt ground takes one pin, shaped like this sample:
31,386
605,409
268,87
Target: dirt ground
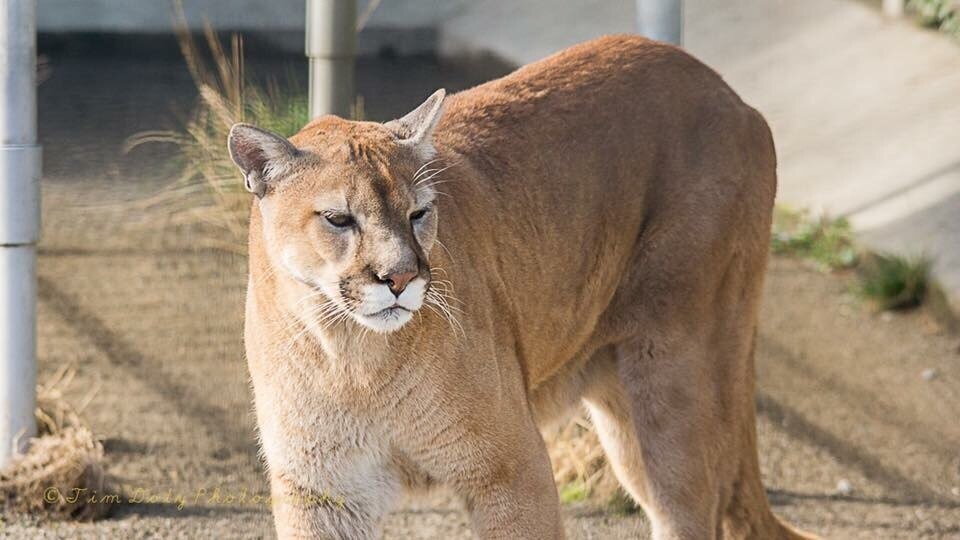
152,325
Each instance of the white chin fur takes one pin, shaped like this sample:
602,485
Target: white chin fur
386,321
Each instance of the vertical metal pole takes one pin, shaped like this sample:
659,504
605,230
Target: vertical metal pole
893,8
331,47
19,225
661,20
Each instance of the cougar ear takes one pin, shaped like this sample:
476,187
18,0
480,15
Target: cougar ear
263,157
415,128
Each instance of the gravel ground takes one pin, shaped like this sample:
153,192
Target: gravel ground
855,442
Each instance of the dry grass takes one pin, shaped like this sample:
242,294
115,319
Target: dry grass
63,458
580,468
209,190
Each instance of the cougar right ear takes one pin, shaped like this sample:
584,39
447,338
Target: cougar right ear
416,128
263,157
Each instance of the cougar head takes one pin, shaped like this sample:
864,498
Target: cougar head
347,212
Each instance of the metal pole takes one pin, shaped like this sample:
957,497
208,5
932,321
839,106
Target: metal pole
893,8
19,225
331,47
661,20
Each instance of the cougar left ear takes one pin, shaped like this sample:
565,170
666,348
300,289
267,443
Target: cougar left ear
416,128
263,157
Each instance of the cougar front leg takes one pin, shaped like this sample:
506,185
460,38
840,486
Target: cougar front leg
331,477
349,503
303,512
492,455
520,500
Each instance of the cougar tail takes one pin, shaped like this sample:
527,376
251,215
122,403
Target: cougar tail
748,514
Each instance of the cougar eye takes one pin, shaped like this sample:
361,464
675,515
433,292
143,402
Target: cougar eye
340,221
419,214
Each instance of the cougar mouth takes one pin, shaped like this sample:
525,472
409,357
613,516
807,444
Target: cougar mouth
388,311
387,319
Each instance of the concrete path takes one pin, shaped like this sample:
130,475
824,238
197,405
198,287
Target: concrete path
865,111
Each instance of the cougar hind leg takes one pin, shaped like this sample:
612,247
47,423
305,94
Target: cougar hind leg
681,438
685,393
653,432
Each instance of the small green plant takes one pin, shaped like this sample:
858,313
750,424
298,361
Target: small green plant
941,14
278,109
895,282
573,492
827,242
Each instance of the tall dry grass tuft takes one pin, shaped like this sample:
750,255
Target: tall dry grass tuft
208,190
64,457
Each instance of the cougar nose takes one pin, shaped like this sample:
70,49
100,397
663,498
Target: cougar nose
398,281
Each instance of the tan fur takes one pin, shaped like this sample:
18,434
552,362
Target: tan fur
603,225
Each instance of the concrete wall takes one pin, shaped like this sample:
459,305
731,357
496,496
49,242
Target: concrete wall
407,26
154,16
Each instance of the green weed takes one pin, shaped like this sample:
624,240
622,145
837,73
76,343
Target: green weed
895,282
827,242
